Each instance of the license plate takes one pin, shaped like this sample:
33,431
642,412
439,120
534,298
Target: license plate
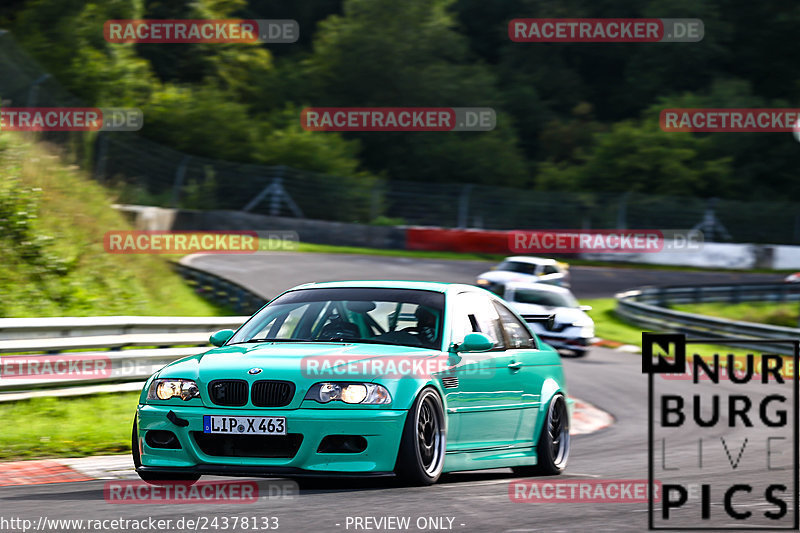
244,425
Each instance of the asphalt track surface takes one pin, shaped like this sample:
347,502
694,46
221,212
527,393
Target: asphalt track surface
269,274
478,501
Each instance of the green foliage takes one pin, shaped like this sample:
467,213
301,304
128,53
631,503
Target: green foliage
201,121
417,58
282,141
67,427
571,117
53,268
776,314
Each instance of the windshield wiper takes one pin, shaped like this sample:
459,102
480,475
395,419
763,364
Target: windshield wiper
270,340
337,341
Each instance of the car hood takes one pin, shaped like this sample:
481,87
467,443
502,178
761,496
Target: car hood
505,276
296,362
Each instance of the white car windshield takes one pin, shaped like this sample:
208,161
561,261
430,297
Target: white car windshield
518,266
545,298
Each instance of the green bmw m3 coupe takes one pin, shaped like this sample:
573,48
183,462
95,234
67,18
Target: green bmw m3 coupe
362,378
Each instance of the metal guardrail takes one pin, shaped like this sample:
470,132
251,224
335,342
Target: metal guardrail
220,290
50,353
35,353
647,307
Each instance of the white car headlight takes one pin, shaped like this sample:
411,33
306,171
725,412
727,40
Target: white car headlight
362,393
164,389
586,325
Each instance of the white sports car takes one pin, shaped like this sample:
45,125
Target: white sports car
571,329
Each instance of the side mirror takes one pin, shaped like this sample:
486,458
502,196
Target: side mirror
220,337
585,307
475,342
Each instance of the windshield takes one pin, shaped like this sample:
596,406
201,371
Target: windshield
518,266
545,298
384,316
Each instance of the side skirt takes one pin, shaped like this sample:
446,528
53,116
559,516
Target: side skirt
485,458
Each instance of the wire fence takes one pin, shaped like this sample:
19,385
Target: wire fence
145,172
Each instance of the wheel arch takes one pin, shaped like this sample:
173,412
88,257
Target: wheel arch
550,389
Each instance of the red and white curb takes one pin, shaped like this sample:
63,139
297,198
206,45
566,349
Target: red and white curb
586,418
618,346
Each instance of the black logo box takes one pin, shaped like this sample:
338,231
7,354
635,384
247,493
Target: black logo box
674,344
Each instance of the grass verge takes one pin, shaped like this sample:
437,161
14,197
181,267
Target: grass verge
777,314
610,327
67,427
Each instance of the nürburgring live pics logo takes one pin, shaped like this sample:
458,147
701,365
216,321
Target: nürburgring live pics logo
722,433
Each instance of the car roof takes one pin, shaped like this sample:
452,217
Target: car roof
543,287
534,260
435,286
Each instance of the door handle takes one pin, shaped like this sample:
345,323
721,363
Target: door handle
515,366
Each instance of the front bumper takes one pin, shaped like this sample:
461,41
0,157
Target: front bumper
566,343
382,429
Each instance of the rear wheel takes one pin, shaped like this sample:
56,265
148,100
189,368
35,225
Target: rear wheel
152,477
422,446
553,448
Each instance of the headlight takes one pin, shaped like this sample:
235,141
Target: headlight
363,393
482,281
587,327
164,389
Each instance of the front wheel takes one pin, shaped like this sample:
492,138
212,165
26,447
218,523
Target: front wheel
152,477
422,446
553,448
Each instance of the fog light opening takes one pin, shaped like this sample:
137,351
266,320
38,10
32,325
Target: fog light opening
159,438
342,444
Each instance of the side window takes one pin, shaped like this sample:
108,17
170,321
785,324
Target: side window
550,269
518,335
475,313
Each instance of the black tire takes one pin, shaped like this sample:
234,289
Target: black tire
573,352
553,447
154,478
422,446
